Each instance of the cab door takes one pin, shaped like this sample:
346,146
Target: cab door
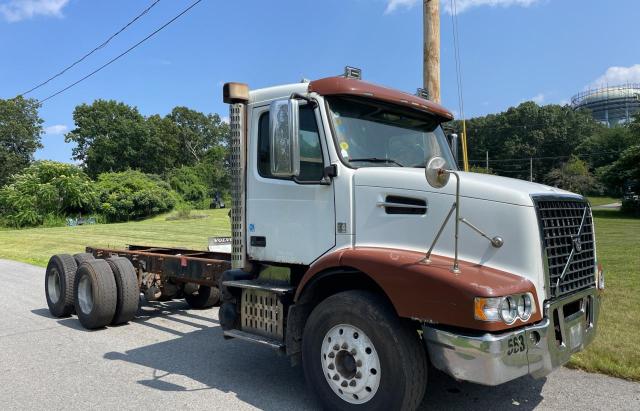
289,220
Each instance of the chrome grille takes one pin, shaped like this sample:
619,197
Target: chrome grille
560,220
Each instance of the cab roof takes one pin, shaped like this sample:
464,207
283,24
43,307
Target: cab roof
343,86
352,87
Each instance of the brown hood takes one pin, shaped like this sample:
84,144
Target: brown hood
429,292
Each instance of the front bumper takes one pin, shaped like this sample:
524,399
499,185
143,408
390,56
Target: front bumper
569,325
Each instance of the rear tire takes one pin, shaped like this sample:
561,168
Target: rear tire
96,294
82,257
205,297
357,354
59,283
127,288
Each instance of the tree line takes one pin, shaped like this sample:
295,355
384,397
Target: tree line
130,166
556,145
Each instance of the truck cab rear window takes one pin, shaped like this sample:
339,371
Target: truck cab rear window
311,164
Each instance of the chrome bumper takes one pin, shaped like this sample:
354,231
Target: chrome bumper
569,325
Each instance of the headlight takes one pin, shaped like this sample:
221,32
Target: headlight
507,309
524,307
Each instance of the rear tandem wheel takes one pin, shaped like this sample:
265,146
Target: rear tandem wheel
59,283
96,294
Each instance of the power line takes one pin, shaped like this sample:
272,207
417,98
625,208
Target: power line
123,53
517,161
456,47
103,44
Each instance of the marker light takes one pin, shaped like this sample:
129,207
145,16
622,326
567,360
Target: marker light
600,276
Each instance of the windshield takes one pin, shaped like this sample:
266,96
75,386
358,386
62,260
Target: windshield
374,134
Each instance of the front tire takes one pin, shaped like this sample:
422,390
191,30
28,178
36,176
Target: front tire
357,354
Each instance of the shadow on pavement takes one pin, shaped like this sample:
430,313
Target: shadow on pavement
443,392
261,377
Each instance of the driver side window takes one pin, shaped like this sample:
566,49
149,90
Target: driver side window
311,163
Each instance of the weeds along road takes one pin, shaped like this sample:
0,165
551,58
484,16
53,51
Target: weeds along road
176,358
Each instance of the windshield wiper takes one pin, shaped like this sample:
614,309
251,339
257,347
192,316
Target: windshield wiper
377,160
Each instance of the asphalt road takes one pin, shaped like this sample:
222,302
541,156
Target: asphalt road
176,358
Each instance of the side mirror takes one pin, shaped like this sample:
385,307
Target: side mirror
453,144
284,138
435,174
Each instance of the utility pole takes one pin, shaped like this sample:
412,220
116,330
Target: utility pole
431,48
530,168
487,163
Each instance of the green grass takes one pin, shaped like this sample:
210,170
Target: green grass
598,201
615,349
614,352
36,245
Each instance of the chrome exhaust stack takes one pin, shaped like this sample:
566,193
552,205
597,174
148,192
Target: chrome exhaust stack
237,96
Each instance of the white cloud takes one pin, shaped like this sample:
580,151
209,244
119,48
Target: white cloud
56,129
615,76
464,5
538,98
16,10
461,5
393,5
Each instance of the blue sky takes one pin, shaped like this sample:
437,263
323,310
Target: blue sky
511,50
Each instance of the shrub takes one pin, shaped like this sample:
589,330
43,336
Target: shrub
46,190
132,195
188,183
573,176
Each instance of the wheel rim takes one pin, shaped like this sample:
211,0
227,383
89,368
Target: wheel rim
85,295
53,285
350,363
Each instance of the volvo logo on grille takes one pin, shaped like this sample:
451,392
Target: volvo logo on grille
577,244
577,247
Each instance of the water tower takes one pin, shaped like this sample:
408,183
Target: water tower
611,105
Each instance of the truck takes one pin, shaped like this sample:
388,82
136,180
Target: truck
360,251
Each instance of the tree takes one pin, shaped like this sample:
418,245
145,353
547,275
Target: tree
20,130
624,171
573,176
606,145
528,130
131,195
188,182
197,133
111,136
46,188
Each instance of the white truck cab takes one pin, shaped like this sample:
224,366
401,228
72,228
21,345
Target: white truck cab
349,188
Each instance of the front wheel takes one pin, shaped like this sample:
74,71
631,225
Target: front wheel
357,354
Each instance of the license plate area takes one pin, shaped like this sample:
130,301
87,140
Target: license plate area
576,335
570,322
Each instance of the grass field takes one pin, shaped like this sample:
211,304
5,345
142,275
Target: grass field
36,245
614,352
598,201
